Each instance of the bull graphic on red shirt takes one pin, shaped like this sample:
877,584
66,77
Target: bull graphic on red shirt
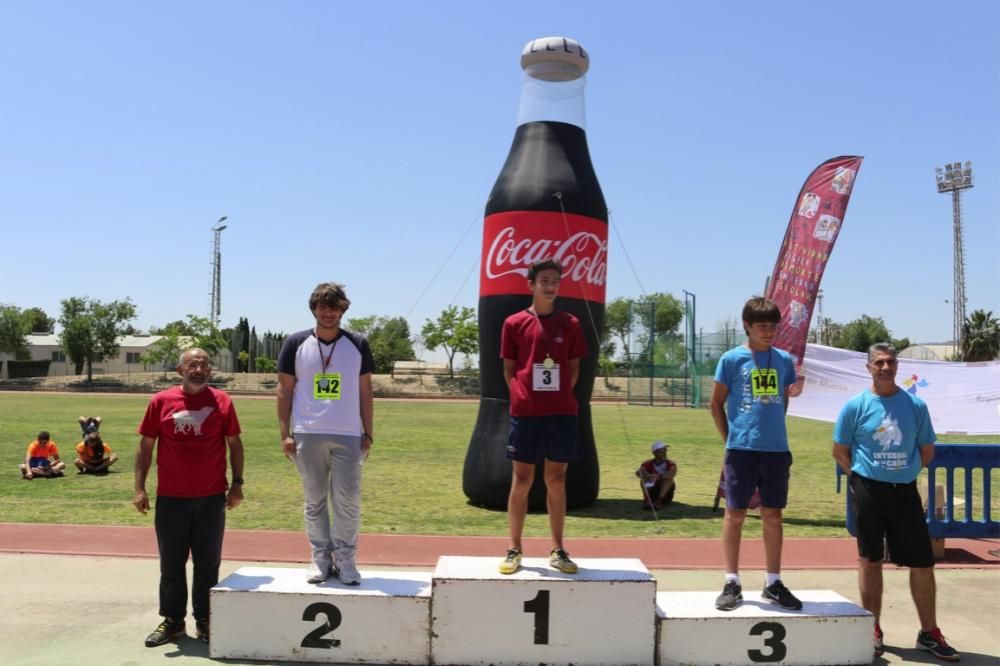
187,421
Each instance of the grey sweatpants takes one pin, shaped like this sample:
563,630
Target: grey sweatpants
330,469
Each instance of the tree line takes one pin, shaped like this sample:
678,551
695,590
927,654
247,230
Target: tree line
91,331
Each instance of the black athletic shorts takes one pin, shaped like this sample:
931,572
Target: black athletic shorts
890,513
534,438
747,471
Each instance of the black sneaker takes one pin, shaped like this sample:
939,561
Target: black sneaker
168,630
934,642
777,593
731,597
201,629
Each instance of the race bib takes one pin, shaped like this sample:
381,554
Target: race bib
544,379
326,386
764,382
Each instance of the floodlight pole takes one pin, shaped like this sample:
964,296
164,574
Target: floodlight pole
215,306
959,269
953,178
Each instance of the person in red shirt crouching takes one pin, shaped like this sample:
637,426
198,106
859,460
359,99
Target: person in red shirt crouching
657,478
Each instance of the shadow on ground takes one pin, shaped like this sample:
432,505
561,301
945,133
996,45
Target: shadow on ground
631,509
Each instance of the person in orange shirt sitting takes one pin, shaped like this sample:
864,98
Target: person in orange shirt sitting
42,458
93,455
89,424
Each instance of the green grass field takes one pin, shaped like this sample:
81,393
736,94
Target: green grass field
413,480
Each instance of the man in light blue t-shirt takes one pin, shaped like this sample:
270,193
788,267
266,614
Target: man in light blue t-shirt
882,438
749,401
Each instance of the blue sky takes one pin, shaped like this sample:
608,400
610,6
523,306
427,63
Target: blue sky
358,142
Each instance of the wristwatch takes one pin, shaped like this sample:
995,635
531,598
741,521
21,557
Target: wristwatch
238,481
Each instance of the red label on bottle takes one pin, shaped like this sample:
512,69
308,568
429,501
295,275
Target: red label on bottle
514,240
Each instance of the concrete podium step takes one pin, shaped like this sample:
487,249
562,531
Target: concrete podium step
829,629
273,614
604,614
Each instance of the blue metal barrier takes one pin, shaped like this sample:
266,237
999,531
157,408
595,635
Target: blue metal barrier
976,459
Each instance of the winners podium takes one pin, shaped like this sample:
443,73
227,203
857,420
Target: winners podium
466,613
274,614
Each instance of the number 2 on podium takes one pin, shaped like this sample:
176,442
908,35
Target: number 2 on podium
314,639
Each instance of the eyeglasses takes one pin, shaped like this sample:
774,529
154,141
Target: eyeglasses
198,366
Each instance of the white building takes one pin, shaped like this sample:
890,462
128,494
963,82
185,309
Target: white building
931,351
132,348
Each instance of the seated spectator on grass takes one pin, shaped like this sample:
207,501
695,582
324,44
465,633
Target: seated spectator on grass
93,455
657,478
89,424
42,458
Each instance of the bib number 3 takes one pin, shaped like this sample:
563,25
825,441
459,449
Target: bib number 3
543,378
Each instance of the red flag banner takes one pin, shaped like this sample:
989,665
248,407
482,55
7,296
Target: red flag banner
813,229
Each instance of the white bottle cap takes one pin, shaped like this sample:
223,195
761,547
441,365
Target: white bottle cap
554,59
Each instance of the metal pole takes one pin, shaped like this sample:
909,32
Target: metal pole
652,348
955,177
215,306
959,259
820,324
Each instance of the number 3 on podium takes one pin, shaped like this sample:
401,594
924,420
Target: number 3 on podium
774,641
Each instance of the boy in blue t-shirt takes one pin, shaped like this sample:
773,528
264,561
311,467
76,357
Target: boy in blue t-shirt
749,401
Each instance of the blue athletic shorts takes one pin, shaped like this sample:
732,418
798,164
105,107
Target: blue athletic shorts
747,471
39,463
534,438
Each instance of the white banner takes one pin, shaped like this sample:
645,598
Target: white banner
963,398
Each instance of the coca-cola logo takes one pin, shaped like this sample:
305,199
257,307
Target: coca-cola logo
583,255
514,240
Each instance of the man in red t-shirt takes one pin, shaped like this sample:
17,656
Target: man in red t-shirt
193,424
541,349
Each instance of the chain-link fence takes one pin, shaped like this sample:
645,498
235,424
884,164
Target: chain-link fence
674,369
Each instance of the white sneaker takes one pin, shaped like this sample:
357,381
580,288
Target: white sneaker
348,573
316,574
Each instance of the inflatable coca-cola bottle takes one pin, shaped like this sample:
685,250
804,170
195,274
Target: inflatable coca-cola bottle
545,203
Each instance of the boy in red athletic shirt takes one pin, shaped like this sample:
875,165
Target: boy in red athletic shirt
541,349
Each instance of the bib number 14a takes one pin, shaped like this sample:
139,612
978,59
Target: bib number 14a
764,382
